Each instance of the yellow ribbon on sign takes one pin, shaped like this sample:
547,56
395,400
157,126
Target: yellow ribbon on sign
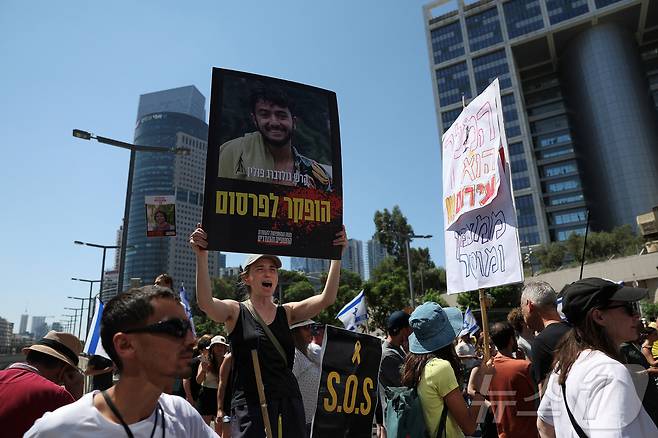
356,357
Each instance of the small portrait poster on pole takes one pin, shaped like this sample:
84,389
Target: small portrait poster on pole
273,170
481,231
160,216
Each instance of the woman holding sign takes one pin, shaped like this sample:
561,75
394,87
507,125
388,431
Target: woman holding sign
259,329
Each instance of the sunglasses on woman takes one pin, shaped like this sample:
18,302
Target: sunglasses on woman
175,327
632,308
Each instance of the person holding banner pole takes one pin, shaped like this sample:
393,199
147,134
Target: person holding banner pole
259,331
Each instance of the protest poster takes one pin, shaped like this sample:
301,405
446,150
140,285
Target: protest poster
481,232
347,395
273,170
160,216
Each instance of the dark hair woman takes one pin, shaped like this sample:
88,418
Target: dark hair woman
591,392
434,368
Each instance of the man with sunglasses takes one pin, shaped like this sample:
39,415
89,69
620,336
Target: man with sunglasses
148,336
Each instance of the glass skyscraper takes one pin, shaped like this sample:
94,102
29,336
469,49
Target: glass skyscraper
176,121
579,86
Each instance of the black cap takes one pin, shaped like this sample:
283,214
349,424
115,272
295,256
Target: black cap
588,293
398,320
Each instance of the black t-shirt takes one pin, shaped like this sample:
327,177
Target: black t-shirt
543,348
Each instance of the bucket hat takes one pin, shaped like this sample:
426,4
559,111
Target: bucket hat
433,327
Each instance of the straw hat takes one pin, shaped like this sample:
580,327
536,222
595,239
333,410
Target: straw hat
63,346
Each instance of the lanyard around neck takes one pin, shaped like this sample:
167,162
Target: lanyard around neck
117,414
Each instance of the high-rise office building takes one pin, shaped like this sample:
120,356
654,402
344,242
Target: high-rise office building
579,86
39,327
6,335
352,259
376,254
309,265
173,118
22,327
110,283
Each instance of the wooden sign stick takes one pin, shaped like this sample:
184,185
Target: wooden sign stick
261,394
485,325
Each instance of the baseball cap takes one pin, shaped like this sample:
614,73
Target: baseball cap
434,327
397,320
63,346
253,258
302,323
217,340
583,295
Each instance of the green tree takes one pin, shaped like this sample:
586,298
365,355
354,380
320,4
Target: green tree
391,231
386,291
504,297
649,310
435,296
551,256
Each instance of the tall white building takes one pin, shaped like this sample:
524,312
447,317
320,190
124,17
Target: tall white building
39,327
353,257
22,328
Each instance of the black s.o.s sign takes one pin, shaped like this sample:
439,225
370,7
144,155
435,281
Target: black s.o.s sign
347,395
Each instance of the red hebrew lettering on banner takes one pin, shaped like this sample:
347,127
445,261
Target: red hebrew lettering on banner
470,158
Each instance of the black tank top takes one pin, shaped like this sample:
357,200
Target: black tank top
278,379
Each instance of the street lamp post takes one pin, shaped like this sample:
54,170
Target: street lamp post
82,308
105,248
407,240
69,321
91,285
75,317
133,148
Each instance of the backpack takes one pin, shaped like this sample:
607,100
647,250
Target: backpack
404,414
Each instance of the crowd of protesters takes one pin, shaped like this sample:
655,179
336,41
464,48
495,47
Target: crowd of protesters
587,370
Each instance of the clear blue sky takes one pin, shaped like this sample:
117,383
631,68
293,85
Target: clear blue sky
80,64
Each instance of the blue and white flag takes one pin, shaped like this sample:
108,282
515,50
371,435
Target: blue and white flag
186,304
354,313
470,325
93,343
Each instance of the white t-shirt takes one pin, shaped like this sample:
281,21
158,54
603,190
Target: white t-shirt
81,419
602,398
308,374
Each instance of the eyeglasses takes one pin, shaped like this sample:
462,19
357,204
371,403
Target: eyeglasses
632,308
177,328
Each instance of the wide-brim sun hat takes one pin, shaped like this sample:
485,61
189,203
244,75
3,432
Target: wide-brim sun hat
434,327
63,346
253,258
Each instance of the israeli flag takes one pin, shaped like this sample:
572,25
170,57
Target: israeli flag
93,343
470,325
186,304
354,313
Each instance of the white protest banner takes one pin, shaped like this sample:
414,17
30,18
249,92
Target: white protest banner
471,177
481,232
